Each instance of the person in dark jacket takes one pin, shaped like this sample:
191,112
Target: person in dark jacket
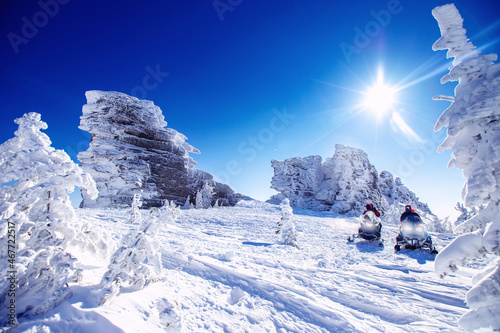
408,211
371,208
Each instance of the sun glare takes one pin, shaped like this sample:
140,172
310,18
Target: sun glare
379,98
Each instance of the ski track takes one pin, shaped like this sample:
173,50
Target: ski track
225,271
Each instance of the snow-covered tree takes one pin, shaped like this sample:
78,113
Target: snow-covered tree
35,203
187,203
137,262
466,214
204,197
441,226
170,211
136,216
287,225
473,122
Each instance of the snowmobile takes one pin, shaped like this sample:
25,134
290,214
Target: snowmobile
412,235
369,228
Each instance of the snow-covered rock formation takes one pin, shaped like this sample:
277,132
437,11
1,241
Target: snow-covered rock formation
131,151
354,180
342,184
395,194
298,179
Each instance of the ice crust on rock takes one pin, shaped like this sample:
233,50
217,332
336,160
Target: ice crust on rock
132,151
343,184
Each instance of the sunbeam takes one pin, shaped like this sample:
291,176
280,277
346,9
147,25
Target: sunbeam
400,124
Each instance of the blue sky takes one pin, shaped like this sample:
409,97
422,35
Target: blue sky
247,81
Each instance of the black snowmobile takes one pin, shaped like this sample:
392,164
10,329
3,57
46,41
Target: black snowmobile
412,235
369,228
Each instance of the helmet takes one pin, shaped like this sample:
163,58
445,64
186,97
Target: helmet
368,206
408,208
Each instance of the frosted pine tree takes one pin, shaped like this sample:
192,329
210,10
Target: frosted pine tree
35,200
473,122
466,214
169,211
441,226
138,261
187,204
204,197
136,216
287,225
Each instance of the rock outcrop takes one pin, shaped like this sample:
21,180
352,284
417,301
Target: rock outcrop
354,180
343,184
132,151
298,179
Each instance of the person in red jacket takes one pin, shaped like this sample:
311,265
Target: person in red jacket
408,211
369,207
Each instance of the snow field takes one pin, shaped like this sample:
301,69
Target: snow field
225,271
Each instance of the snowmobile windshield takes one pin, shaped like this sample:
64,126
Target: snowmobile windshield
369,218
413,219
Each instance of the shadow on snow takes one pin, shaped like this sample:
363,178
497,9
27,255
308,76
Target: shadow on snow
257,244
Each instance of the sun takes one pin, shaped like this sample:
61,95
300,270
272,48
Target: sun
380,97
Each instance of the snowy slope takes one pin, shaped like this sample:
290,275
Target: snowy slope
226,272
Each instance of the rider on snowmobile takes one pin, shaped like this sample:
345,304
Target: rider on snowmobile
408,211
412,233
371,208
